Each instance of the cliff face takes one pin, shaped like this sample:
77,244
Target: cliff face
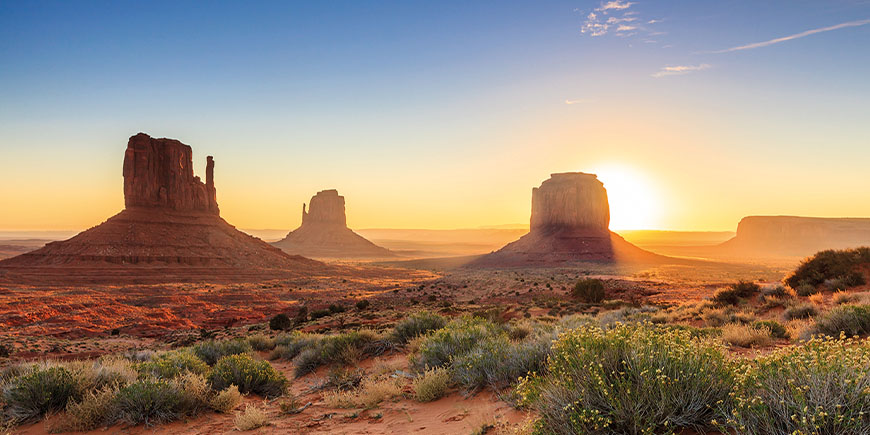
326,208
324,232
796,236
572,200
159,173
569,223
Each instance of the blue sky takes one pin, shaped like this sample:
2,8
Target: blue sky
441,114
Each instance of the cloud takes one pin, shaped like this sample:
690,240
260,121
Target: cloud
616,4
795,36
578,101
625,28
680,70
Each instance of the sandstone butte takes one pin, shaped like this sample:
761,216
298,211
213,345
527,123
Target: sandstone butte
324,232
570,223
169,230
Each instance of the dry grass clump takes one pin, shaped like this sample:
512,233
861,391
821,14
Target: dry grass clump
251,418
746,335
226,400
818,298
850,320
431,384
95,409
800,329
818,388
261,342
371,392
841,298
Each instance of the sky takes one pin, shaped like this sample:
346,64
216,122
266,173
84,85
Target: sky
442,114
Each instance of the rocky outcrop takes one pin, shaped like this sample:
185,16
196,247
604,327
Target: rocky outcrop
159,173
324,232
569,223
795,236
571,200
170,230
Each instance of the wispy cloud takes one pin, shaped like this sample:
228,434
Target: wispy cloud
680,70
618,5
790,37
614,17
577,101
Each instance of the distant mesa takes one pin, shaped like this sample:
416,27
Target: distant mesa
795,236
324,232
171,222
569,223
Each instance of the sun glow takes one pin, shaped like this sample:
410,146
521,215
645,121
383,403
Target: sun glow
634,199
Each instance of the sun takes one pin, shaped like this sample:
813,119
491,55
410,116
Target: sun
634,200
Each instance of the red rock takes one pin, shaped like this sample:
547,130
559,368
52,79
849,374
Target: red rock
569,223
324,232
159,173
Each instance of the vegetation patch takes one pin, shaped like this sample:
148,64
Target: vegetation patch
213,350
831,265
250,375
851,320
588,290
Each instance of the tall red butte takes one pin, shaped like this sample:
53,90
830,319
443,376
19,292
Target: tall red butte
170,230
570,223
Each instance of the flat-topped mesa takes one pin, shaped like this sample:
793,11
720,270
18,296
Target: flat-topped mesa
158,173
570,200
325,208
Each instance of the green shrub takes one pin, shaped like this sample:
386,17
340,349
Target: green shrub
213,350
732,294
630,379
496,362
344,348
416,324
805,289
830,265
150,402
42,390
849,319
589,290
818,388
288,346
249,375
261,342
800,311
172,364
280,322
776,328
456,338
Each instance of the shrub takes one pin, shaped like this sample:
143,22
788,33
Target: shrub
249,375
745,335
345,348
732,294
849,319
456,338
362,304
628,379
172,364
776,328
288,346
831,264
589,290
226,400
316,314
280,322
211,351
818,388
496,362
261,342
801,311
336,308
776,291
42,390
431,384
841,298
97,408
150,402
415,325
252,418
805,289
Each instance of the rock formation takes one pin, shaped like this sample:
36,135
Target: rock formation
170,230
324,232
569,223
795,236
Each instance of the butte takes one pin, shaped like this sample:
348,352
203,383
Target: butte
170,230
324,232
569,224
